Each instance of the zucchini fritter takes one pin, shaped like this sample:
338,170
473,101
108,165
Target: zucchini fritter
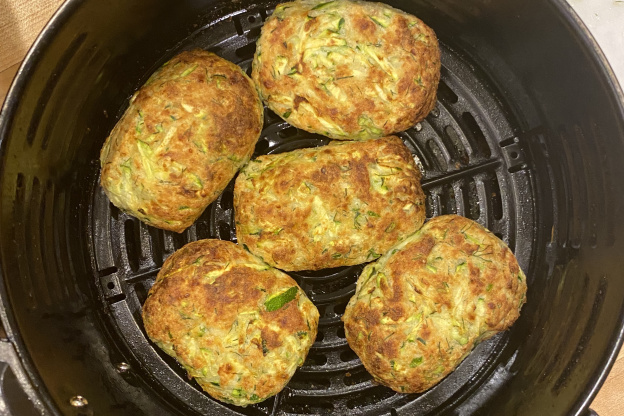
338,205
238,326
420,310
184,136
350,70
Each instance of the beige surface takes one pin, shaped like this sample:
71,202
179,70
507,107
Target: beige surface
21,21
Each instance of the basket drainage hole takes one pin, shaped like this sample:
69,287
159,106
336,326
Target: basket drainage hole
393,412
251,19
110,285
348,356
373,396
341,333
315,360
514,155
356,378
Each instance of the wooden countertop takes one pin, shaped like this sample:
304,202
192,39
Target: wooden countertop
20,23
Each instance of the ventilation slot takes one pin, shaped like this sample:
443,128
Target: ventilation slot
446,94
315,360
179,240
340,332
225,232
493,195
348,356
246,51
333,286
431,205
48,90
471,200
461,155
308,382
141,289
436,155
133,244
305,406
475,136
352,379
158,245
448,205
372,396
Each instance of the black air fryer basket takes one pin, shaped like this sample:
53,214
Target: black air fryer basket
527,138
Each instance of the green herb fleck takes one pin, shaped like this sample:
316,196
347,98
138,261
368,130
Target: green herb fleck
336,255
323,5
341,23
139,126
422,341
189,70
197,180
489,287
287,114
391,227
254,397
265,350
373,214
214,383
416,362
377,21
278,301
200,145
238,393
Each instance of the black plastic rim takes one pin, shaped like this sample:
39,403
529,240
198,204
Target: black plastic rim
49,33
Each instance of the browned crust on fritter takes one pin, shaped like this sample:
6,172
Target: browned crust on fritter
184,136
342,204
342,90
421,309
201,294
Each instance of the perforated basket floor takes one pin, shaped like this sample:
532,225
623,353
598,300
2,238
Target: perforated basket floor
473,166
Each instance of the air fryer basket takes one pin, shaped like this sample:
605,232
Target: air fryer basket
527,138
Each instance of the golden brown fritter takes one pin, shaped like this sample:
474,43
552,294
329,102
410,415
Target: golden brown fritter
350,70
184,136
420,310
238,326
337,205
